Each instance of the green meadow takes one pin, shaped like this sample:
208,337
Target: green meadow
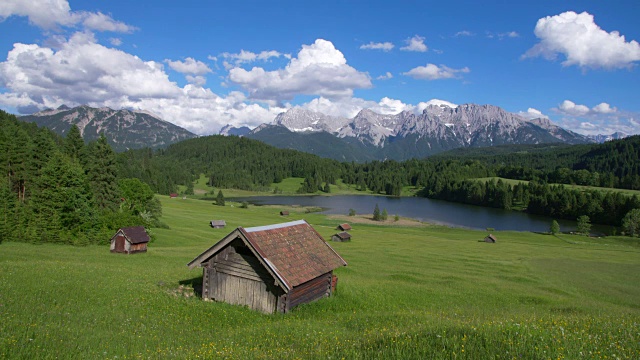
409,292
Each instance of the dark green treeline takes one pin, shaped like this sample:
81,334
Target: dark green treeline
60,190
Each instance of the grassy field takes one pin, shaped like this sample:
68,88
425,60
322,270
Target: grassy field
425,292
577,187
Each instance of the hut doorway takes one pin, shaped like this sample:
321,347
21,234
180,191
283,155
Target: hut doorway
119,243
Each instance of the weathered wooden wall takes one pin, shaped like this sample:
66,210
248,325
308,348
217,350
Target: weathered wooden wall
236,277
310,291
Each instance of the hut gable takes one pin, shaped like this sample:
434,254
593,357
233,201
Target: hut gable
292,264
218,224
490,239
341,236
130,240
344,227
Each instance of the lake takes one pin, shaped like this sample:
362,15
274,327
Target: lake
423,209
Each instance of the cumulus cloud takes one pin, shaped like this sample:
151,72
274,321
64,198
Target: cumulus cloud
248,57
415,43
603,108
350,107
82,71
101,22
423,105
385,46
115,41
435,72
189,66
532,113
52,14
319,69
582,42
386,76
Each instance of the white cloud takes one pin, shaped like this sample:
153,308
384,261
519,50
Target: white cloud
603,108
582,42
386,76
510,34
385,46
415,43
115,41
51,14
434,72
464,33
249,57
319,69
101,22
532,113
84,72
423,105
196,80
350,107
189,66
568,107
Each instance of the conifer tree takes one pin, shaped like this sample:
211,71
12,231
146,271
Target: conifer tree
220,198
101,173
376,213
74,144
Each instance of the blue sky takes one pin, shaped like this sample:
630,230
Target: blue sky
205,64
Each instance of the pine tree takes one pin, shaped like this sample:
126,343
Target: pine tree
220,198
555,227
74,144
584,225
376,213
101,173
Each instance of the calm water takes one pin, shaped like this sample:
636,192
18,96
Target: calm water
428,210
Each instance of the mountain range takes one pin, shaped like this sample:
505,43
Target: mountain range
124,129
440,127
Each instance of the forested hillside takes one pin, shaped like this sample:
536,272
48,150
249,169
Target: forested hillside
63,191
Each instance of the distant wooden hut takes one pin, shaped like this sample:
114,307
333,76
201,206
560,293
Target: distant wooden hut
341,236
344,227
130,240
173,195
270,268
218,224
490,239
284,213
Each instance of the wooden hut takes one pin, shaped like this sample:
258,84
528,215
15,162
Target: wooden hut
284,213
130,240
173,195
218,224
344,227
270,268
490,239
341,236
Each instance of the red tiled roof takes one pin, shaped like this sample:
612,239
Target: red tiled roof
136,234
294,250
345,226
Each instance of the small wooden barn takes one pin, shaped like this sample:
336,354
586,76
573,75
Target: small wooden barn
284,213
130,240
218,224
341,236
344,227
490,239
270,268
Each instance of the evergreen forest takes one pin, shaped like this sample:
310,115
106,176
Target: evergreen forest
61,190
